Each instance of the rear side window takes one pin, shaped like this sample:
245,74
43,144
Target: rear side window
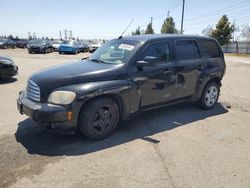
187,49
159,50
209,49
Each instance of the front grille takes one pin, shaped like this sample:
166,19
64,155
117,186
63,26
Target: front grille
33,91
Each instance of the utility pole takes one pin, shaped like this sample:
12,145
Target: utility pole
234,24
65,34
60,35
70,34
182,16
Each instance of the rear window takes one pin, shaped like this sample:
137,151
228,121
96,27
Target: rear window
209,49
187,49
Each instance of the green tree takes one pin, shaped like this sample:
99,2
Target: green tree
10,36
137,31
149,29
169,26
223,31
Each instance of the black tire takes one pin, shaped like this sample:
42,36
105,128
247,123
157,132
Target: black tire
60,52
30,52
99,118
210,96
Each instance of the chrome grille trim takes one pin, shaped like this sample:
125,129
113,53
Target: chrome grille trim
33,91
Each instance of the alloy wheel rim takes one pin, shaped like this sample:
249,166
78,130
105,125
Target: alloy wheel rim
211,96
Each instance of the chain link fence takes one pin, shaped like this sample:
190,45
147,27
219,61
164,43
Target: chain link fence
241,47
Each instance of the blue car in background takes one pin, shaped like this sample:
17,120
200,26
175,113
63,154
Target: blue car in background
69,46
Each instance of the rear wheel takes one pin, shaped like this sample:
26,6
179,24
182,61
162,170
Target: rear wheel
99,118
209,96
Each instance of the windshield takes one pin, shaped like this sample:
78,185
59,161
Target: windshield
37,42
115,51
2,40
68,42
56,42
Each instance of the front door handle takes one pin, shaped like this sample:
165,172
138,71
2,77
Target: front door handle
167,71
200,67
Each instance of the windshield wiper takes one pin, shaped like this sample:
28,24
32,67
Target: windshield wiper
85,58
97,60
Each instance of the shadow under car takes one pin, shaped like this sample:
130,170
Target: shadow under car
40,142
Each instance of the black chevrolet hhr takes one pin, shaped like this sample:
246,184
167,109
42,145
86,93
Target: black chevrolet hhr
123,77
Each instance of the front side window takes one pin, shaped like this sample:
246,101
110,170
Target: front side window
187,49
115,51
160,51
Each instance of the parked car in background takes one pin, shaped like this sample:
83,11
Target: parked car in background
122,78
56,44
40,46
69,46
22,43
95,46
7,68
7,43
83,46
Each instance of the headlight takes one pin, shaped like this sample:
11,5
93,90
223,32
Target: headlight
6,61
62,97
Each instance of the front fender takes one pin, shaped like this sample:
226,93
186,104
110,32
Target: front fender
120,89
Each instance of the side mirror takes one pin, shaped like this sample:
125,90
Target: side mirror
148,61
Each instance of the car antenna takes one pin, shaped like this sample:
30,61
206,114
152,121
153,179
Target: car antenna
126,29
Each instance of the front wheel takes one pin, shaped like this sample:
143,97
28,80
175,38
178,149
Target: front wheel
99,118
209,96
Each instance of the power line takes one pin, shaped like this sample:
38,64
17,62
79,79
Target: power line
219,11
216,17
165,9
176,5
172,5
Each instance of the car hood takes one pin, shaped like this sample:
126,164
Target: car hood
83,71
5,58
21,42
36,45
95,45
67,45
55,45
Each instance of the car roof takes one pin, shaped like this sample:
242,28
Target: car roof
150,37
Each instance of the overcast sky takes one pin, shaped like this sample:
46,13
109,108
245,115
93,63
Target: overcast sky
108,18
